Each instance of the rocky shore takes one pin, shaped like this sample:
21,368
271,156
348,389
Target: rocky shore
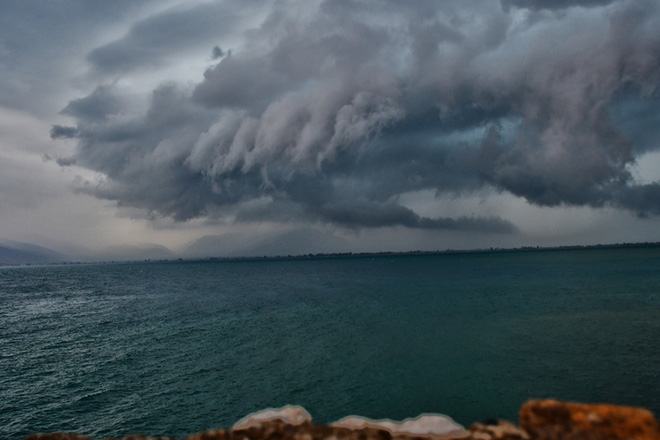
539,420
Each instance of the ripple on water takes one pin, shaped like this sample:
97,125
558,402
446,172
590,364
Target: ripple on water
106,351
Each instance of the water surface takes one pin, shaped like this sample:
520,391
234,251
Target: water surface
175,348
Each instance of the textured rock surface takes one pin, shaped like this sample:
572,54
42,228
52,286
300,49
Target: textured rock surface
290,414
425,425
539,420
497,430
550,420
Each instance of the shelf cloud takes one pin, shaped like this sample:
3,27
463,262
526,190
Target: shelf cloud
330,111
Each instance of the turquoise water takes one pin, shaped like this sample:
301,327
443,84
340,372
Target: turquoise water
175,348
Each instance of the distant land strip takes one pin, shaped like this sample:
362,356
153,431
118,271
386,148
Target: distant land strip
382,254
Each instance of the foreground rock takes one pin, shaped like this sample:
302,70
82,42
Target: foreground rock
425,426
539,420
550,420
497,430
290,415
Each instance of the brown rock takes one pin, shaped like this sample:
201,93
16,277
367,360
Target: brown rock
552,420
217,434
277,430
539,420
497,430
289,414
431,426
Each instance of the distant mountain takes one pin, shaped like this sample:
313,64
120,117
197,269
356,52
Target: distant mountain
225,245
299,242
16,253
142,251
74,252
294,242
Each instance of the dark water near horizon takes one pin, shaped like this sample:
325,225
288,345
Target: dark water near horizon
176,348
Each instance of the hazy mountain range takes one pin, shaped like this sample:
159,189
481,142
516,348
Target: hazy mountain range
293,242
14,252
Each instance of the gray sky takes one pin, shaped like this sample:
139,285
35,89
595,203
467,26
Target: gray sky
391,125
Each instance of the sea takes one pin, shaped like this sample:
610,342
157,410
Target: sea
174,348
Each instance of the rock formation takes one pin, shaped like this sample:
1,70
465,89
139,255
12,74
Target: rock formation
289,414
425,425
552,420
539,420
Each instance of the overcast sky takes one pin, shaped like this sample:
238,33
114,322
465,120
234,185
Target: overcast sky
393,125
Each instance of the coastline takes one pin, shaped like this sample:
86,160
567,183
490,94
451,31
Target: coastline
539,420
349,255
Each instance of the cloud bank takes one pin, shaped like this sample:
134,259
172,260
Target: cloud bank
330,111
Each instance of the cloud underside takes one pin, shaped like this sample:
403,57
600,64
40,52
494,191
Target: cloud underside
332,112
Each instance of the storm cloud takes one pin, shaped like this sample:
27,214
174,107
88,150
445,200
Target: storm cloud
62,132
331,111
157,39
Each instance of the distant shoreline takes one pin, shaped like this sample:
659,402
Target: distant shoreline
418,252
358,255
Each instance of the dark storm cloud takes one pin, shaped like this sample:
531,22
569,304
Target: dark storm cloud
152,41
332,112
554,4
65,161
644,200
101,103
40,41
217,53
637,115
357,214
143,156
62,132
